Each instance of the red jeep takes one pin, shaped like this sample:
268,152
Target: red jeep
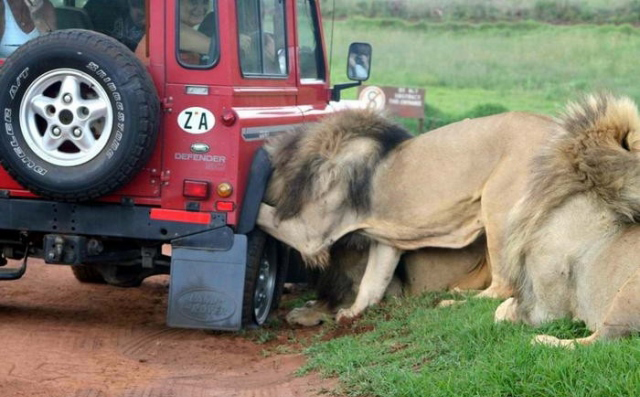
134,124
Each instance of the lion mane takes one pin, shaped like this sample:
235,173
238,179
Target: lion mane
340,152
589,153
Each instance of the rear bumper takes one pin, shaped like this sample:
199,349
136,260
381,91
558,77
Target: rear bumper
96,219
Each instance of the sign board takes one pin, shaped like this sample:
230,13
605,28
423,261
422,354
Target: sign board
399,101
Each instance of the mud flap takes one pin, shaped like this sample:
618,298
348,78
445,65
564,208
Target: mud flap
207,285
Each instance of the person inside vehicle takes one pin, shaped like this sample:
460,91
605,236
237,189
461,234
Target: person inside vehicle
273,62
124,20
23,20
196,32
197,29
192,41
359,63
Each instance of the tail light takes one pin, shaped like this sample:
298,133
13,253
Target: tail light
195,189
225,206
224,190
228,117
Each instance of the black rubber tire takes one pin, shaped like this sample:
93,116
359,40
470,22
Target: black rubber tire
118,276
87,274
262,247
124,276
128,92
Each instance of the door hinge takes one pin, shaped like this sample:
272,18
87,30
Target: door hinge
165,176
167,104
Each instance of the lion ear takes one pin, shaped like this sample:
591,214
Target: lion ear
632,141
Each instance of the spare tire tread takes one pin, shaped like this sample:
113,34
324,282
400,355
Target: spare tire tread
133,75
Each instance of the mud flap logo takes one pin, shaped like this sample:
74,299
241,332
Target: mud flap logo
206,305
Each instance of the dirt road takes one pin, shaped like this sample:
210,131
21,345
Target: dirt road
61,338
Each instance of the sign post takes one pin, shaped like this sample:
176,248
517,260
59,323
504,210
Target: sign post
400,101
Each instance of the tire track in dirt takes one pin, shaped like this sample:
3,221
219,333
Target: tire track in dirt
66,339
141,344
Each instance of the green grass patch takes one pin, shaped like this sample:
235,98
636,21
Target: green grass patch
415,349
525,66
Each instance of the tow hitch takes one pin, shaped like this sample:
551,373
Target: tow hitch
13,273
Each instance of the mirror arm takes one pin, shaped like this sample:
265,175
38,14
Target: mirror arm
335,92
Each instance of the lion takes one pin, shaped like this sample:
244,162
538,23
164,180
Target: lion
358,172
572,239
423,270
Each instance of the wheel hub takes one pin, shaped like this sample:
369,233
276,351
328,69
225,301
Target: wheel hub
66,117
265,287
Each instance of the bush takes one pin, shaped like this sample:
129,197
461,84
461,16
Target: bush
486,109
435,118
548,11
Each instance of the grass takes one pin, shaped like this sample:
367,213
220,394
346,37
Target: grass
415,349
525,66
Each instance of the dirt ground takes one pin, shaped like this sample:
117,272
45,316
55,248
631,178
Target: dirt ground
61,338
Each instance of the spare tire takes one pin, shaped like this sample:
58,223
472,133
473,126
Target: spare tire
81,115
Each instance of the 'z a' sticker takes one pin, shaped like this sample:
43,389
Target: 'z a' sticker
196,120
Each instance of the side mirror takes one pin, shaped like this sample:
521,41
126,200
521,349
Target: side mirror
359,61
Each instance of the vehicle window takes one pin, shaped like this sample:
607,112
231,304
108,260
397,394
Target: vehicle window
22,21
310,50
123,20
262,38
75,3
197,33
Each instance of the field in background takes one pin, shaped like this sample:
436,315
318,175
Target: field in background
526,66
554,11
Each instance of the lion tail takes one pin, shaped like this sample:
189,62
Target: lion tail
595,149
340,152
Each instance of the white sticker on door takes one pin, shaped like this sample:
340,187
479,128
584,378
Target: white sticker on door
196,120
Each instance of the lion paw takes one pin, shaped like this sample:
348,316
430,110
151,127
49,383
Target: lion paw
507,311
449,302
308,316
552,341
345,317
496,292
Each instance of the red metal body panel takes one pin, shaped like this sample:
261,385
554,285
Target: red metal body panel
257,102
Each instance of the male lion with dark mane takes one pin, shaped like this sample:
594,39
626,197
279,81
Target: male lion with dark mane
572,249
357,172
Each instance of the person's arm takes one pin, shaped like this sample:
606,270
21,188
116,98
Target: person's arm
352,60
43,15
50,15
141,50
365,61
193,41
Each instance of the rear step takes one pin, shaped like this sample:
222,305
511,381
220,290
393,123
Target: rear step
13,273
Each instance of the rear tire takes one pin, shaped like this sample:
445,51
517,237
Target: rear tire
267,264
118,276
124,276
87,274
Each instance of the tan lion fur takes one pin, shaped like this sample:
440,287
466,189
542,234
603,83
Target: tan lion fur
423,270
356,172
571,240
